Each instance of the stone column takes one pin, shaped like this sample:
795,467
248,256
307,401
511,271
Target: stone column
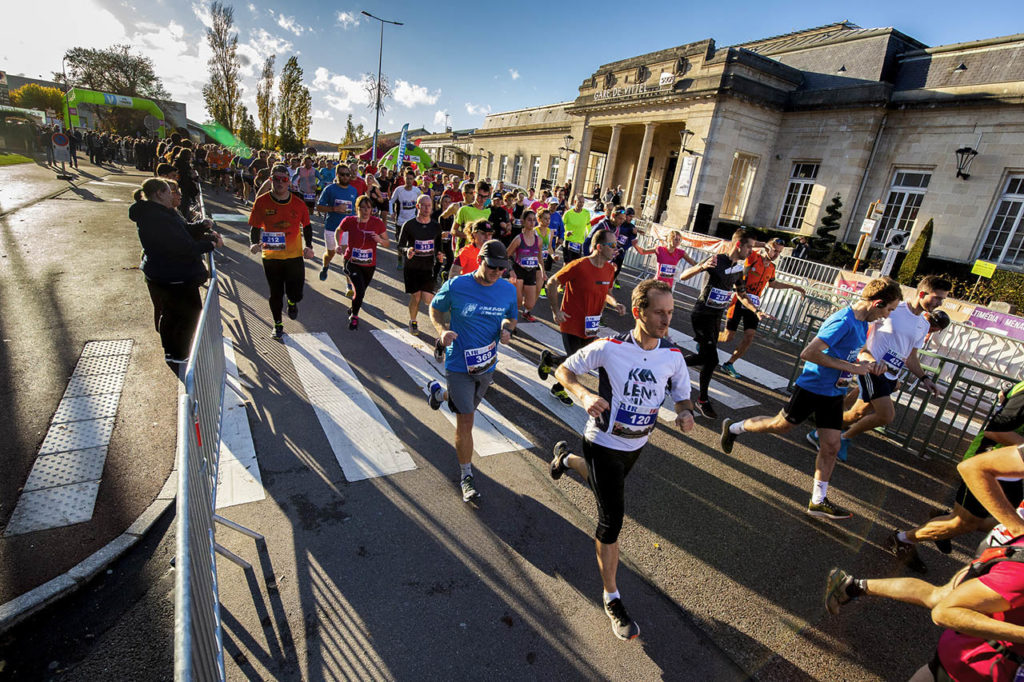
611,159
581,161
641,165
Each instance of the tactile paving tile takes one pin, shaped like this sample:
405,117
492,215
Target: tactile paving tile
77,435
65,468
115,347
103,364
53,508
85,407
91,384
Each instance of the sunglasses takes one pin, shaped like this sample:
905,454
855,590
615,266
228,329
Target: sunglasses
281,178
499,268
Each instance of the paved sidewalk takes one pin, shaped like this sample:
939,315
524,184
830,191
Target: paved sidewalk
25,183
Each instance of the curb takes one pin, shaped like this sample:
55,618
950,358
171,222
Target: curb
20,608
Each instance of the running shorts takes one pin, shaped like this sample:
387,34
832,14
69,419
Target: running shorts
573,343
742,314
965,498
827,409
465,391
606,470
874,386
419,280
330,239
527,275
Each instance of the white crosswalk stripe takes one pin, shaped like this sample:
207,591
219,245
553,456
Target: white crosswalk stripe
747,370
492,433
362,441
238,472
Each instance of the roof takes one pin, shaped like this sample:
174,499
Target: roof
821,36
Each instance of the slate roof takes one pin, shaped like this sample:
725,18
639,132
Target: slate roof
999,63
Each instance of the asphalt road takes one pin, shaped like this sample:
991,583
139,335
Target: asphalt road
395,577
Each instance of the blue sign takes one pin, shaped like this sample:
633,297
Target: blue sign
110,100
403,141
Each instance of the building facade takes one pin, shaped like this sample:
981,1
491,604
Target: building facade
767,133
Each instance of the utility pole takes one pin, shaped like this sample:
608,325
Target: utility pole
380,60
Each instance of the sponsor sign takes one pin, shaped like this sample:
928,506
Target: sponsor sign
686,167
1000,323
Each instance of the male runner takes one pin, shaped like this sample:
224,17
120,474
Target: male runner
577,224
586,282
830,361
759,273
725,276
483,311
276,221
474,209
421,237
403,199
637,368
338,201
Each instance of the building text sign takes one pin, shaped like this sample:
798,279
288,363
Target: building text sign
637,90
685,176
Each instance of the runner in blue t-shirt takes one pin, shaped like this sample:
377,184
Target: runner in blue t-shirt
831,362
338,201
483,312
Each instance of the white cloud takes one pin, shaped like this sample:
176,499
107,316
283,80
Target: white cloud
478,109
323,114
342,92
439,118
514,74
202,13
252,8
288,24
266,44
409,95
348,20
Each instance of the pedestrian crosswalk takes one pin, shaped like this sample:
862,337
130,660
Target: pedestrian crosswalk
238,472
747,370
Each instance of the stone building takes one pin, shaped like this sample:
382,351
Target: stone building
767,132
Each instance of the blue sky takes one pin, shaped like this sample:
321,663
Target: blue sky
460,58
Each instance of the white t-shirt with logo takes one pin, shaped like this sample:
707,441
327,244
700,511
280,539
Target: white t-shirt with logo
893,339
405,200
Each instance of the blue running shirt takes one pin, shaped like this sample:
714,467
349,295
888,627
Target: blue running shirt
476,315
845,336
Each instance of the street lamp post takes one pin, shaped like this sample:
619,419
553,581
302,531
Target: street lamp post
380,60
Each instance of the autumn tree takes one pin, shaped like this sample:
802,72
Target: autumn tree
35,96
266,105
294,103
223,94
247,131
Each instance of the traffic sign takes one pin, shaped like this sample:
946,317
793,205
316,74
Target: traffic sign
983,269
897,239
60,140
868,226
60,147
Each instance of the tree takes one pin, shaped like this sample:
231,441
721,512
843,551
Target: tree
266,105
360,132
117,71
34,96
294,102
247,131
287,142
350,132
829,224
223,94
918,252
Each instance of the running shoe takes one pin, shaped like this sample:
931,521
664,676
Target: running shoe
944,546
561,394
469,493
704,409
905,553
353,322
623,626
619,286
728,437
835,590
544,369
844,448
323,274
558,467
527,317
278,331
827,510
293,310
444,276
438,351
350,293
812,438
544,293
414,328
730,370
435,394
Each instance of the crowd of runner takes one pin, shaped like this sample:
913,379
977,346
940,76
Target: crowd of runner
479,257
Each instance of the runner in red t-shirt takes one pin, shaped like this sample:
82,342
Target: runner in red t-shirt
365,232
586,282
466,260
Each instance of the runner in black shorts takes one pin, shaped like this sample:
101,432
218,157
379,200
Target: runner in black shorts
638,368
421,237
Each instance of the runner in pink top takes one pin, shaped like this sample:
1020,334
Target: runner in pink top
668,258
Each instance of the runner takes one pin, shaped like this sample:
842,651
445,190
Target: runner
577,224
279,223
525,252
444,217
482,313
474,209
894,341
403,199
338,201
759,273
668,258
548,240
586,283
637,369
830,360
421,237
364,232
305,182
725,276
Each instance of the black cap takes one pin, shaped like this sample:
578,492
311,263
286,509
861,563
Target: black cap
494,254
937,319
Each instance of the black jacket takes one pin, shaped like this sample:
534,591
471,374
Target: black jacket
172,250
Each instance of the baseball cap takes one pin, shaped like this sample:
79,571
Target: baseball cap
495,254
778,240
483,226
553,201
630,211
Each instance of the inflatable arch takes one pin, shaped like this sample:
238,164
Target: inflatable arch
77,96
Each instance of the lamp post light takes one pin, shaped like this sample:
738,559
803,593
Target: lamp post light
684,137
964,157
380,60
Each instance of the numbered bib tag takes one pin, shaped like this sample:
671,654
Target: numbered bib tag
999,536
573,246
362,255
667,271
481,359
346,206
309,196
517,223
718,298
423,247
634,421
622,239
754,299
591,326
894,362
273,241
528,262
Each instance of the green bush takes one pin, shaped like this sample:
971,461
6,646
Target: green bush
917,252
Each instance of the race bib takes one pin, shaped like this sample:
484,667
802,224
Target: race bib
481,359
894,362
362,255
273,241
718,298
517,223
309,196
754,300
408,206
573,246
528,262
346,206
845,378
666,270
591,326
633,421
423,247
623,239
